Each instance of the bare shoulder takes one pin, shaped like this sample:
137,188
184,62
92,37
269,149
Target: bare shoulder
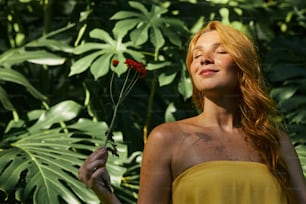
168,132
285,141
284,136
165,132
297,179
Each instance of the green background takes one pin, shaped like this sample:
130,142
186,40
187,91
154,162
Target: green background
55,70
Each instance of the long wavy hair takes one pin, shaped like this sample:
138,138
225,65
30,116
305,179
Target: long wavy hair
256,108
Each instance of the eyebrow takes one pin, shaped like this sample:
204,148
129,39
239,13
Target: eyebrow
215,45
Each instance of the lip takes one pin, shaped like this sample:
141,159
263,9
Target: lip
207,72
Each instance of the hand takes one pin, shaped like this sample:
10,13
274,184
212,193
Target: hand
94,175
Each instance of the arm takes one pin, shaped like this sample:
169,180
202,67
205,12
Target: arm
95,176
295,170
155,178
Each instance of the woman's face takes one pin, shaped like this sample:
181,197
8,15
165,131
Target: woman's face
212,68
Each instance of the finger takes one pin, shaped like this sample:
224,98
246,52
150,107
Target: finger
100,180
96,160
87,169
100,153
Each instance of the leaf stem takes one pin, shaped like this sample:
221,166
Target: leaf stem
151,100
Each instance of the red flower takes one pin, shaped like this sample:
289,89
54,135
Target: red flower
115,62
138,66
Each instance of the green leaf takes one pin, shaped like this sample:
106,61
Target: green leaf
169,117
174,29
47,59
292,103
90,127
185,84
17,56
172,36
139,7
13,124
89,47
54,45
152,67
301,151
35,114
122,27
48,160
121,67
140,35
101,35
298,117
15,77
4,99
166,78
48,166
100,67
109,50
283,93
286,71
114,163
124,15
83,63
150,22
157,38
138,56
63,111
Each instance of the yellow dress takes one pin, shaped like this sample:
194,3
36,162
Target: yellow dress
227,182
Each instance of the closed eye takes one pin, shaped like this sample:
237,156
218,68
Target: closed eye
196,57
222,52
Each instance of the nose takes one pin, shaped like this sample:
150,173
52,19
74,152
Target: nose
206,61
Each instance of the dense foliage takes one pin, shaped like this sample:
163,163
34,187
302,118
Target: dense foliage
55,73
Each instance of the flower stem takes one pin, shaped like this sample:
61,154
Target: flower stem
123,87
116,105
130,86
111,88
111,126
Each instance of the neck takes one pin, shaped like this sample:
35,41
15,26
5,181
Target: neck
221,112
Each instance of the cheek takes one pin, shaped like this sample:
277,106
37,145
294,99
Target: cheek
193,68
225,61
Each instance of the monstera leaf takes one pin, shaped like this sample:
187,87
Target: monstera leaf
42,164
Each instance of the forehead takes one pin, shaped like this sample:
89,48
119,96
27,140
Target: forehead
207,39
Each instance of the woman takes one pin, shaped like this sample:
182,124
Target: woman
231,152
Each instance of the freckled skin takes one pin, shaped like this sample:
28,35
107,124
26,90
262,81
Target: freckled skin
210,54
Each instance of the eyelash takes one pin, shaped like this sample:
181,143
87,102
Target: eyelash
221,52
218,52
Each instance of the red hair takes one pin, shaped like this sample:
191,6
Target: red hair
256,108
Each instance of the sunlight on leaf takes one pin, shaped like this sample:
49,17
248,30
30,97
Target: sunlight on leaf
166,78
169,117
63,111
15,77
6,103
49,161
84,63
185,84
